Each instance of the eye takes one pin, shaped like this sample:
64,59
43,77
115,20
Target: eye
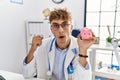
88,33
55,25
64,25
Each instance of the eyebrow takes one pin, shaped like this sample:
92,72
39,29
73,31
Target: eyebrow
62,22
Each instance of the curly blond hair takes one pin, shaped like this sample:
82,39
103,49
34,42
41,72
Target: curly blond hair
60,14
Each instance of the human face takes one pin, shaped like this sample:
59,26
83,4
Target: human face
61,30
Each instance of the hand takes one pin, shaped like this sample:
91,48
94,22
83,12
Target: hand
36,41
85,44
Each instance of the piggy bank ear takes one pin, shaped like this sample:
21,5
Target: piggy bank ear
90,30
83,30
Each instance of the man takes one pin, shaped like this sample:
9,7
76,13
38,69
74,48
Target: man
57,58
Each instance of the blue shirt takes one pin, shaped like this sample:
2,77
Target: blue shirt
58,70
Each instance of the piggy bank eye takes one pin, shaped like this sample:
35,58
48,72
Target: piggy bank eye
84,33
88,33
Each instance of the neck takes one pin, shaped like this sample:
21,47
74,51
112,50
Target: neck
63,45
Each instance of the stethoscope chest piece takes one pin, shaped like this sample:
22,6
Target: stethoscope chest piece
49,73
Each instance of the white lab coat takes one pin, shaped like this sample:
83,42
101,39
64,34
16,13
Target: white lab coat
39,64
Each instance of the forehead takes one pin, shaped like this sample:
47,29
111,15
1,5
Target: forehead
59,21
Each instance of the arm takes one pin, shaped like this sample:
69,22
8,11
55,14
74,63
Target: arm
29,67
83,47
36,41
82,69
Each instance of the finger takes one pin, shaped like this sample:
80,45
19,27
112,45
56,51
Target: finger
39,37
93,35
79,37
38,44
93,40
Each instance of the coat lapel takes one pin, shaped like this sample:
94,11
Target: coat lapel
71,53
69,57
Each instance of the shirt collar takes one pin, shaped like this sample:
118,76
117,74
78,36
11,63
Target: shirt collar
61,51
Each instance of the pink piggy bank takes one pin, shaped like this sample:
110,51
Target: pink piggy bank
86,33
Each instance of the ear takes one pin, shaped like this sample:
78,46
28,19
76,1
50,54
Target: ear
52,30
83,30
71,28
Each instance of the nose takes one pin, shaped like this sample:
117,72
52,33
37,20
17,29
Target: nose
60,29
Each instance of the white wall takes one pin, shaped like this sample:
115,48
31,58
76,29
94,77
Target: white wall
75,6
12,27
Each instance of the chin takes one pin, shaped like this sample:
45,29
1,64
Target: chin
61,40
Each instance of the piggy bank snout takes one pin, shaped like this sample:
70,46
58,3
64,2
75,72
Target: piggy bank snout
86,36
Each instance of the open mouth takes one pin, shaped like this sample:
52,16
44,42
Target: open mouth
61,37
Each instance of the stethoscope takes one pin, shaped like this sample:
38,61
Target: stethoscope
70,68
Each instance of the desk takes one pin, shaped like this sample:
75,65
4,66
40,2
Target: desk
14,76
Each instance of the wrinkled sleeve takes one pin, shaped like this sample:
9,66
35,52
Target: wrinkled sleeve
29,70
80,72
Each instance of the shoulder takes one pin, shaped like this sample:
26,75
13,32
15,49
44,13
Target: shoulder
47,42
73,43
74,40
